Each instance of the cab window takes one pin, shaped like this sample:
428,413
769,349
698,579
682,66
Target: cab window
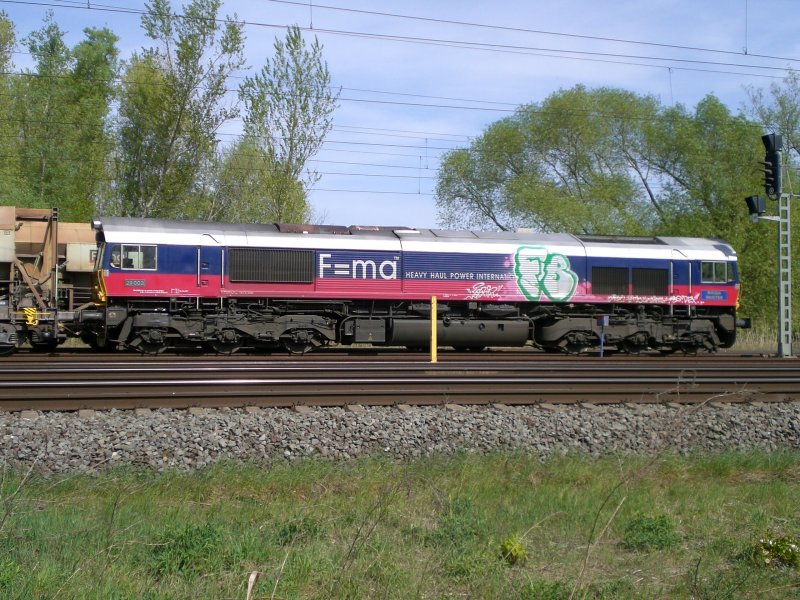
715,272
139,258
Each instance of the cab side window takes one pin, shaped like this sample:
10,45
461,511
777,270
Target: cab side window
715,272
116,257
140,258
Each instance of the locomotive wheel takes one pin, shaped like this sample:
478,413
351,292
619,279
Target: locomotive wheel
147,347
630,347
6,349
150,341
224,347
226,342
574,348
44,346
300,341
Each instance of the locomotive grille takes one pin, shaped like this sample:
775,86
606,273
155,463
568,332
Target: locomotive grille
609,280
265,265
649,282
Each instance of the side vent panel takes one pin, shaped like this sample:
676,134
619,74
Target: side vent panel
266,265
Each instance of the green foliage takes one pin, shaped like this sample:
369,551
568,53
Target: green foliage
608,161
251,188
645,532
9,573
288,109
189,550
297,530
57,122
459,524
171,108
512,551
543,589
777,551
198,535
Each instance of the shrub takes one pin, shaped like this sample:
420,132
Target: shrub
650,533
512,551
777,552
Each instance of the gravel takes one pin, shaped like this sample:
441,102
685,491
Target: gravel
55,442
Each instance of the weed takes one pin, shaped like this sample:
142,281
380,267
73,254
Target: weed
460,524
650,533
777,552
302,528
541,589
190,550
9,572
512,551
717,585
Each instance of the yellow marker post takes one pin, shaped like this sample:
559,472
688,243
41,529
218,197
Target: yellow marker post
434,341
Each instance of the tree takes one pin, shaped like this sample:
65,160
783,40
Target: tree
172,105
11,185
288,109
779,111
573,162
611,162
247,190
60,116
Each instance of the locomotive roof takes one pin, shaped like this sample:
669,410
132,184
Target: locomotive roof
122,229
127,230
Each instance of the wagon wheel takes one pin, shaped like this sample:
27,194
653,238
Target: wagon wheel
9,345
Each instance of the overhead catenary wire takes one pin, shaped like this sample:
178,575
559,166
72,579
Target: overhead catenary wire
466,44
496,106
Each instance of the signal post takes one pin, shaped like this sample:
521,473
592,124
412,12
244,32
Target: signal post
773,186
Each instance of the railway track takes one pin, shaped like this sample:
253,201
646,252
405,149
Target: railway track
72,381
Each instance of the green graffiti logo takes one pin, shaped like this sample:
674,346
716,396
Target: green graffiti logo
541,272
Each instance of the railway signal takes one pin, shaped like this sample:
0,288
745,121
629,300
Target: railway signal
772,164
756,206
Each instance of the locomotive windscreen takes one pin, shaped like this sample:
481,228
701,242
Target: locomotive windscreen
266,265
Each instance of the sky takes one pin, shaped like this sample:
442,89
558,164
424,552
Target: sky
420,78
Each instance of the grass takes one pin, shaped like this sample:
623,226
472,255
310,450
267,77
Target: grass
431,528
760,339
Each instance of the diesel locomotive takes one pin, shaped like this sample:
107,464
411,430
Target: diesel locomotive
160,285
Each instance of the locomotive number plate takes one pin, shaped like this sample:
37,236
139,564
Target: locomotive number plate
134,283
